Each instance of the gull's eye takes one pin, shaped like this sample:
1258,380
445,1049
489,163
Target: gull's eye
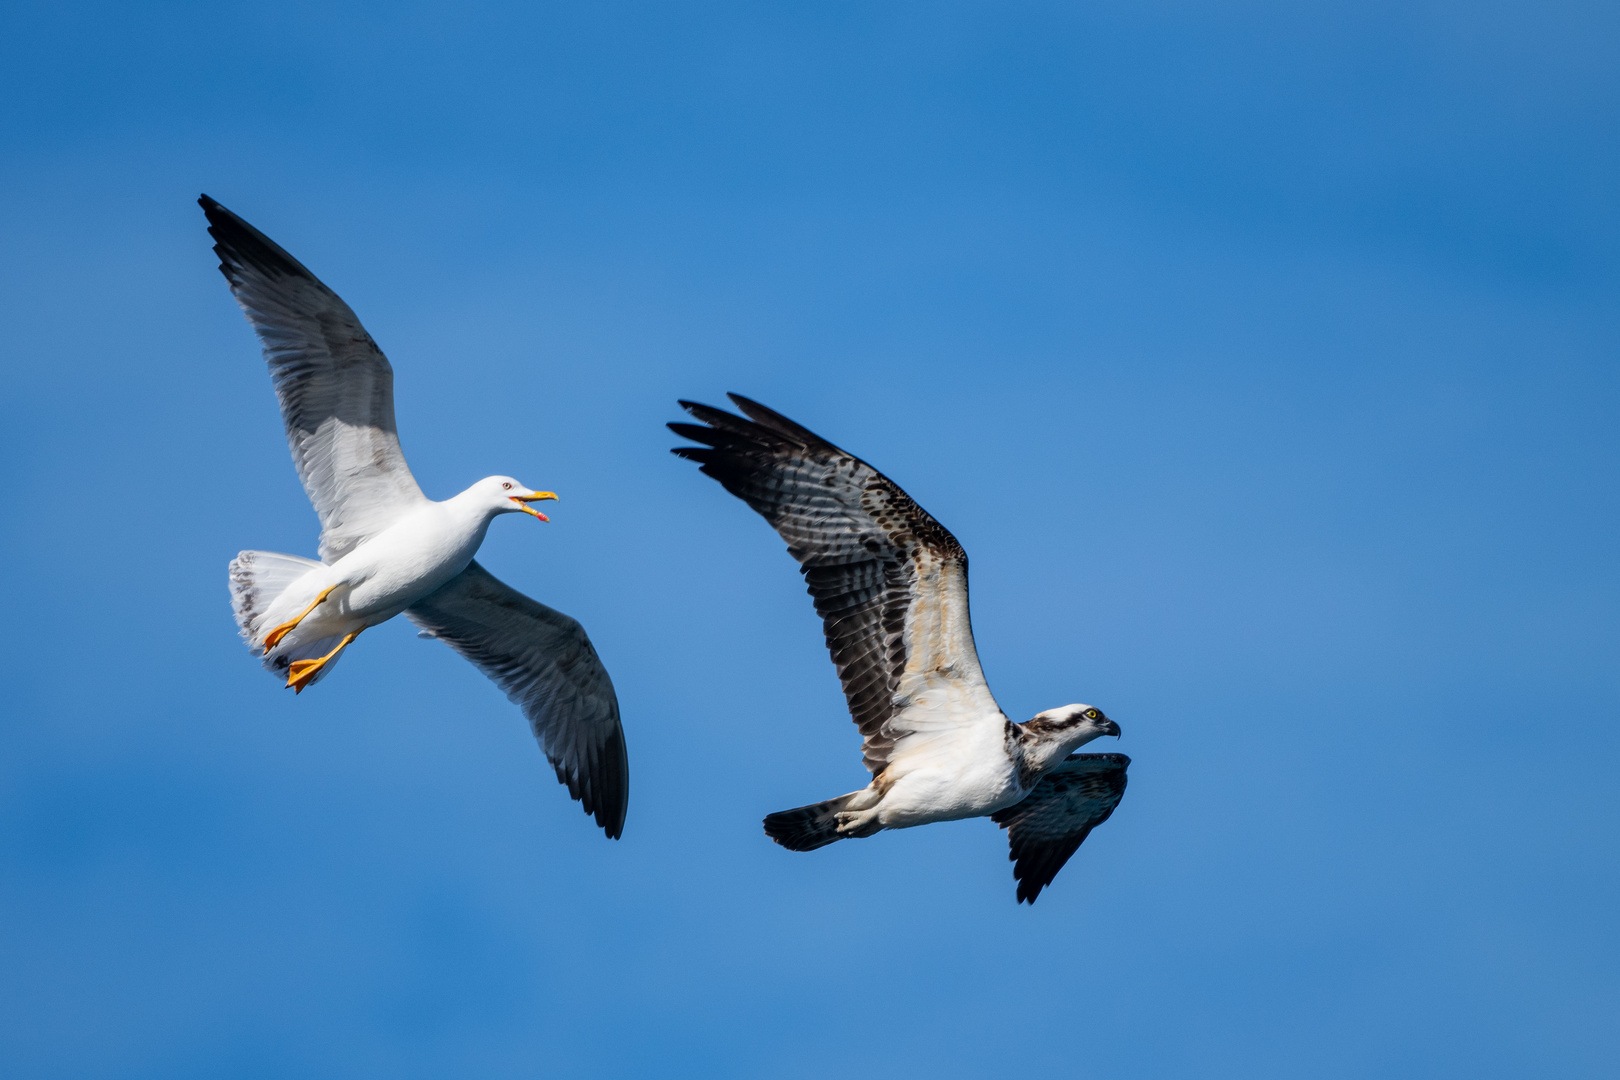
508,487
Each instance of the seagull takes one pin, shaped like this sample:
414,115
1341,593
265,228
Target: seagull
890,585
385,547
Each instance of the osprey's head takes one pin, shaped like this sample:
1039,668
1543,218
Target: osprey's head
1072,725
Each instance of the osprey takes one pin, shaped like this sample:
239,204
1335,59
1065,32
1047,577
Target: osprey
890,585
386,548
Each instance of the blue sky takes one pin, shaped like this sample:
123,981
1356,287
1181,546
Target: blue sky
1261,355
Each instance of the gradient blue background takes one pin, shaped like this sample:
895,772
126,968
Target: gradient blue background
1262,355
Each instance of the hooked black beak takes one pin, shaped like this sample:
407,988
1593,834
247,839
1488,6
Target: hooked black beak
1111,729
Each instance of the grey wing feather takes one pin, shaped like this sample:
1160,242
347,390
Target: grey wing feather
1057,816
335,386
889,582
546,665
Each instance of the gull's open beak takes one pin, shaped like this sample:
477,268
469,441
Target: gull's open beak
536,497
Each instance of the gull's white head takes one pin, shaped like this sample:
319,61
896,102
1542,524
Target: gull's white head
505,495
1072,725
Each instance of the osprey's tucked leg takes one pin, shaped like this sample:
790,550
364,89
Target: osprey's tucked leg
806,828
273,638
859,823
302,672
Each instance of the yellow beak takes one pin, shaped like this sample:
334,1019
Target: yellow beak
536,497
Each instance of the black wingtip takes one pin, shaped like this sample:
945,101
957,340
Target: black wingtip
601,785
241,246
757,424
766,417
753,409
216,212
614,794
1031,882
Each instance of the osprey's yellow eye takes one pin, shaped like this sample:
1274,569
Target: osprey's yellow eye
1092,714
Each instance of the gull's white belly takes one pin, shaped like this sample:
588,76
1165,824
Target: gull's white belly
382,576
403,563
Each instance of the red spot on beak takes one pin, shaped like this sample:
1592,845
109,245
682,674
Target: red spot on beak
528,509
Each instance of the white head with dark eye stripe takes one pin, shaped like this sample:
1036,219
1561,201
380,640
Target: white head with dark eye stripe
1072,725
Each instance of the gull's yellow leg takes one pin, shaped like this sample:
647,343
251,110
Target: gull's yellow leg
303,672
273,638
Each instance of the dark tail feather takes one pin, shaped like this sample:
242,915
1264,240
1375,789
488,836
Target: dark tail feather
807,827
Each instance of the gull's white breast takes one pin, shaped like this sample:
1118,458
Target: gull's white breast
409,559
383,575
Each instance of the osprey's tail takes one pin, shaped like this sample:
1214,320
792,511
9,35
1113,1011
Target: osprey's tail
808,827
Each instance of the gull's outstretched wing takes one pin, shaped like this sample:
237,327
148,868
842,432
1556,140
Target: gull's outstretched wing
544,662
1057,816
335,386
889,582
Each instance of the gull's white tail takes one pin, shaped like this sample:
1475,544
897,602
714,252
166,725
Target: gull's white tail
257,578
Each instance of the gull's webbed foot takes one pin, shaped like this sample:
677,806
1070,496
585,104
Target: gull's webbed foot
300,673
273,638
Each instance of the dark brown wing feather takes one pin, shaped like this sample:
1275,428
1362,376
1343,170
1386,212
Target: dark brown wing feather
546,665
1057,816
889,582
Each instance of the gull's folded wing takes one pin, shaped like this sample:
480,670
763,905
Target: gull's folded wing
544,662
1057,816
335,386
889,582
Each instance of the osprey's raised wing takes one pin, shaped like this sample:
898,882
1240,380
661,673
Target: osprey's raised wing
546,665
1057,816
889,582
335,386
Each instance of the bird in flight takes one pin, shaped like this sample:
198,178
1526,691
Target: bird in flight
890,585
385,547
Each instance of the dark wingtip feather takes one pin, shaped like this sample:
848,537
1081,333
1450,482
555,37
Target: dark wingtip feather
708,413
721,420
699,454
1035,870
601,784
697,433
778,424
605,793
240,246
616,799
725,433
